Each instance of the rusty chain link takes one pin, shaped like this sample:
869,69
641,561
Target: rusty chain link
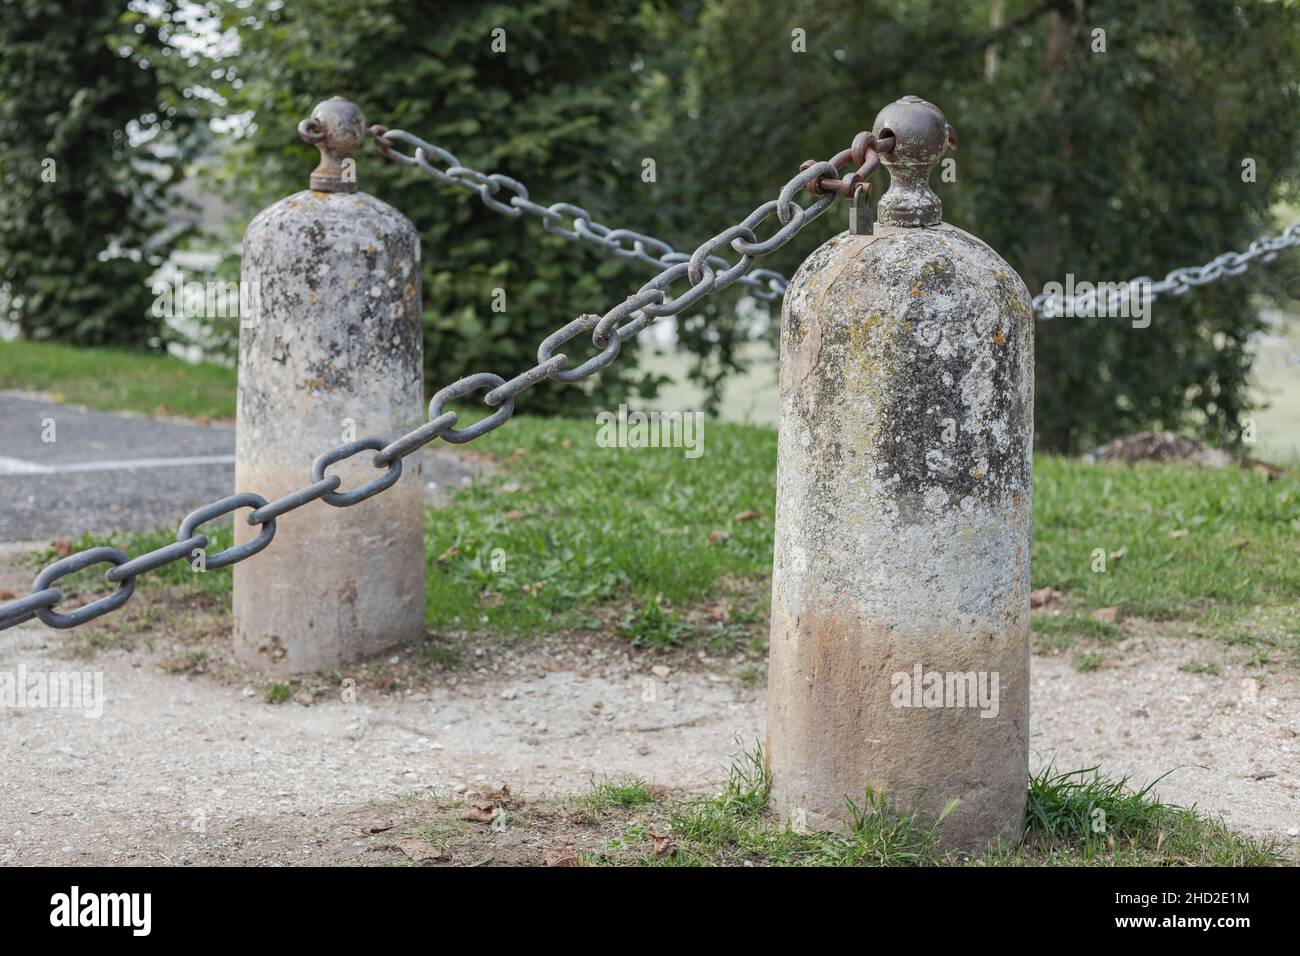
704,271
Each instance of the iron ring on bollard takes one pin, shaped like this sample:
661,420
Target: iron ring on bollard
74,563
343,499
225,506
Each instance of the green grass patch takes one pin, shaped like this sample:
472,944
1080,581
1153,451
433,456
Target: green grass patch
1071,819
120,380
626,792
565,531
1212,547
568,525
277,692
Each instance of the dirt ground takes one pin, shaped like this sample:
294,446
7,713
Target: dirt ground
189,764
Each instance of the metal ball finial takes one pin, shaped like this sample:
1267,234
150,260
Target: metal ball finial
922,137
336,127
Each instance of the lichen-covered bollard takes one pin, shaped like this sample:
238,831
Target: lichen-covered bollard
333,353
900,595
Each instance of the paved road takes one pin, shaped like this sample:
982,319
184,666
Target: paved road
109,471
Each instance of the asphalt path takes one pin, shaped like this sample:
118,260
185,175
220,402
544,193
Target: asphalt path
110,471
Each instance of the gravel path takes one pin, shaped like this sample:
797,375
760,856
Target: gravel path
193,768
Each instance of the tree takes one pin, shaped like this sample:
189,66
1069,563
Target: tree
83,184
1103,155
546,101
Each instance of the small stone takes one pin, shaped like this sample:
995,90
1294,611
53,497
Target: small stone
661,670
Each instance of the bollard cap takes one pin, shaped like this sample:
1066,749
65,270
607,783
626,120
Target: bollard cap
336,127
922,137
921,133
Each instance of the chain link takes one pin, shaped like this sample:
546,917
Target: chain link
1177,282
704,271
817,178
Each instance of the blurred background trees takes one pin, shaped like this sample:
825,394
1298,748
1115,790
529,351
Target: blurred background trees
90,140
1100,138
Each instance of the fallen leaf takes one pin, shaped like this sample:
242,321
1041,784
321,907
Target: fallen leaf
201,421
480,813
561,857
490,598
721,611
500,795
510,488
7,595
1241,545
1178,533
748,516
1045,597
715,537
532,589
421,851
663,844
448,554
377,827
1105,614
62,547
513,515
1118,555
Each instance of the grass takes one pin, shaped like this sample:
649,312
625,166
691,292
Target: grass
628,792
566,534
569,525
277,692
1216,550
1075,818
120,380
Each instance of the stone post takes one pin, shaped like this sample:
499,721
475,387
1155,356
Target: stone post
900,596
332,353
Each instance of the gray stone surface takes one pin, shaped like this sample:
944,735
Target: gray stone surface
903,529
335,353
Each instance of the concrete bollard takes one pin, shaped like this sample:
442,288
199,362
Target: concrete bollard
899,653
333,354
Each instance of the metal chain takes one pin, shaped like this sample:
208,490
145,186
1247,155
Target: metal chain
1177,282
768,284
704,270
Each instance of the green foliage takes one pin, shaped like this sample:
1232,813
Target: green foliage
652,624
83,180
1103,165
277,692
554,111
